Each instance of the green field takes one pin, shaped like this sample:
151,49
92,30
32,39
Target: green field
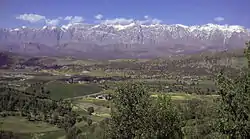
22,125
99,109
63,90
184,96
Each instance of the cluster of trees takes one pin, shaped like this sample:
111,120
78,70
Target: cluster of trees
233,119
136,115
37,106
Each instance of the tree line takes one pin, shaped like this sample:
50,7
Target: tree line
37,106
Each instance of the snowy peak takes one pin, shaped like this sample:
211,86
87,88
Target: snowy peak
49,28
118,27
122,27
153,39
230,28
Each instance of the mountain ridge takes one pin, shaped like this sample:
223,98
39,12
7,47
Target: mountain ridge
121,41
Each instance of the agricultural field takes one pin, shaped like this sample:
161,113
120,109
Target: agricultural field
21,125
29,129
64,90
188,81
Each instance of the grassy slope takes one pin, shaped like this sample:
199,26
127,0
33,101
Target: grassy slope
22,125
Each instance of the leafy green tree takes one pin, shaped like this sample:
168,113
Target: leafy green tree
130,112
234,108
136,115
165,119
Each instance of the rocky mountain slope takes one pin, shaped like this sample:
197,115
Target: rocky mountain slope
122,41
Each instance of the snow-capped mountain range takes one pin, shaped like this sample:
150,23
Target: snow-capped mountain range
119,41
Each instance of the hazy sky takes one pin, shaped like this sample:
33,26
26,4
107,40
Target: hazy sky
15,13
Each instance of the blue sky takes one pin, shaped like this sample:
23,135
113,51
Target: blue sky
15,13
